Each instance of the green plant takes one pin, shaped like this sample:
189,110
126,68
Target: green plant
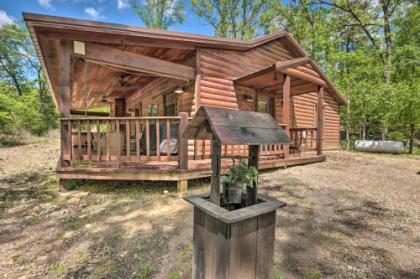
58,268
146,271
241,173
72,224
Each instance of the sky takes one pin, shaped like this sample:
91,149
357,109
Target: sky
115,11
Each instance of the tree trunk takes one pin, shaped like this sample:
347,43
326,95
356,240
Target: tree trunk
384,132
364,131
411,143
348,119
387,53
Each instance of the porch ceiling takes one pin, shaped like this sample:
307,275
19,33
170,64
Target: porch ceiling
89,88
268,79
305,78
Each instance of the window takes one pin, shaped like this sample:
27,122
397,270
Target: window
266,106
170,104
262,106
152,110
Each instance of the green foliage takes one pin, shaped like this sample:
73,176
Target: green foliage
145,271
58,268
25,103
231,18
240,174
159,13
72,224
352,41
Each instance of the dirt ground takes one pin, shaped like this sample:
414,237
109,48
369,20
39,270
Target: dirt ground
353,216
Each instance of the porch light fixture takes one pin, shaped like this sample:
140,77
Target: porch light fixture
179,90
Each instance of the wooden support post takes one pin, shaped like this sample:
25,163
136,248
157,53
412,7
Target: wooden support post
182,142
216,168
65,66
197,81
182,186
253,160
320,126
286,111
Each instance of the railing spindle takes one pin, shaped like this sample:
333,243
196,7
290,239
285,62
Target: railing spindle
79,141
203,149
195,149
118,149
138,139
168,139
89,141
148,139
108,128
70,139
158,139
98,136
127,140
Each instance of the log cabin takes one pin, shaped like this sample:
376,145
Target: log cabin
126,94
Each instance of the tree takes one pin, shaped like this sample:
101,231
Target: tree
374,19
26,101
406,92
159,13
11,59
237,19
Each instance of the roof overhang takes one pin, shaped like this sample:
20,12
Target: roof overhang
75,28
295,68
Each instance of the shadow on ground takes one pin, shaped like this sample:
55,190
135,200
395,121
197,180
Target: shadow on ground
335,234
97,230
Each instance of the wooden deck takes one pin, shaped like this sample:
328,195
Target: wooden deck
169,171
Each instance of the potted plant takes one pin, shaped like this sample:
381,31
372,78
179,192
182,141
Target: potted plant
238,178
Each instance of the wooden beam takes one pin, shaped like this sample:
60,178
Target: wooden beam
255,74
253,158
128,60
286,111
182,142
320,124
299,74
216,168
197,88
65,67
281,65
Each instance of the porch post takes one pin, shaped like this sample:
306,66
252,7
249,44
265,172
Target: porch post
253,161
65,133
286,111
182,142
320,120
216,169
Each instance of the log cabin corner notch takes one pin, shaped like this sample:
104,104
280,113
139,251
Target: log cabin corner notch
126,93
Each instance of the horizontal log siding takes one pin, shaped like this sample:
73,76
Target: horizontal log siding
303,114
219,68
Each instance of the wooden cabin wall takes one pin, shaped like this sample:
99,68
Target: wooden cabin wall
304,114
186,100
218,69
303,109
154,92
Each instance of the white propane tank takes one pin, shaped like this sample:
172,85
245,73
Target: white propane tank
385,146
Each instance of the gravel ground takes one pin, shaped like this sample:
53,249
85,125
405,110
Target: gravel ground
353,216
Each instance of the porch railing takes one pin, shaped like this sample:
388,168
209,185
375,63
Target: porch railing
304,139
121,140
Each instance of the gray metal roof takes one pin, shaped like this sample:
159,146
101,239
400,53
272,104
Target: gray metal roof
229,126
